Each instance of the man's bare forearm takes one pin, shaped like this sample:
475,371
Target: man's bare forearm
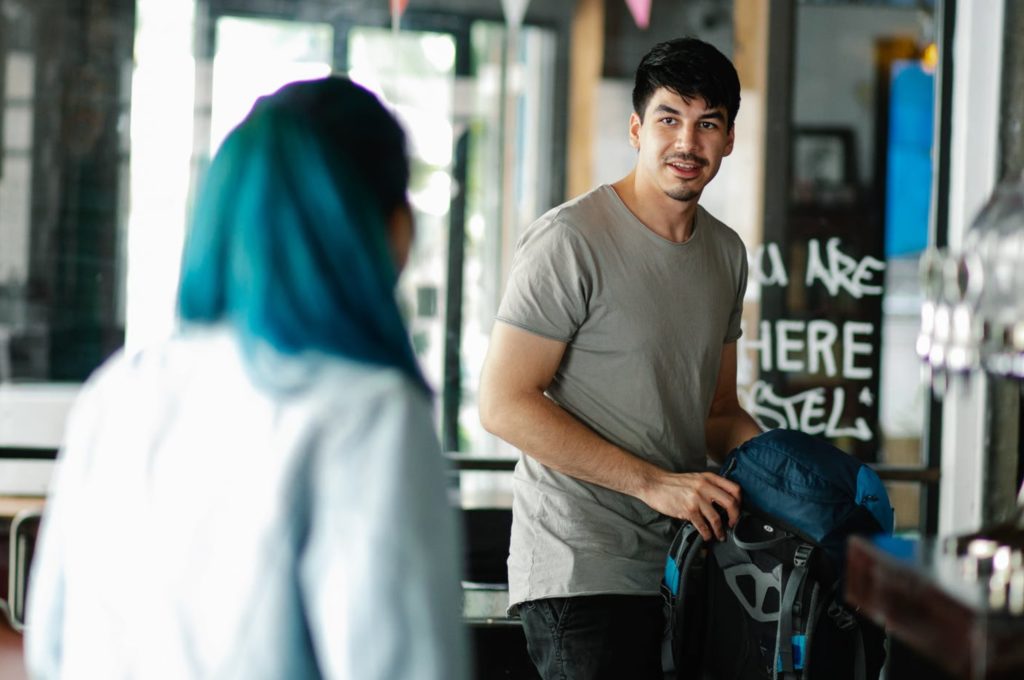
727,430
548,433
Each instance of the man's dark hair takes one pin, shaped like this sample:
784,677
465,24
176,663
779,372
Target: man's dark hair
691,68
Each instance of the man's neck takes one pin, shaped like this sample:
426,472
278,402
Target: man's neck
667,217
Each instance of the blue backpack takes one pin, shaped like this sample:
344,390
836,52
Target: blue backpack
767,601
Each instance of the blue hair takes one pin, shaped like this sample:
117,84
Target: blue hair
289,238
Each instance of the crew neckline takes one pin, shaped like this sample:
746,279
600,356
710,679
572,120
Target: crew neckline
698,221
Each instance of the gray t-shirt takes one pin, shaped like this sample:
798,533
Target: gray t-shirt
644,320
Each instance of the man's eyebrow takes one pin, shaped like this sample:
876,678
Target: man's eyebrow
665,108
714,114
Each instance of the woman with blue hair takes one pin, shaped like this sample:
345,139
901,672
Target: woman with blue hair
263,495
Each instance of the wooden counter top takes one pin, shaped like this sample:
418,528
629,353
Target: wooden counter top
922,597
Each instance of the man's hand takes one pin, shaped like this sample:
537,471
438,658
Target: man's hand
697,497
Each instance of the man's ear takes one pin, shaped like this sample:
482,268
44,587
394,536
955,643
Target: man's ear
730,140
634,130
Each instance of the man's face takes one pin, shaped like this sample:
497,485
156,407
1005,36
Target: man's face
681,144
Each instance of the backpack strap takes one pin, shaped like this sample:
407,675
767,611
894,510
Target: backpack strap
786,636
860,671
684,548
810,621
845,620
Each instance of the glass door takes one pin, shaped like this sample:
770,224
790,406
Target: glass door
447,79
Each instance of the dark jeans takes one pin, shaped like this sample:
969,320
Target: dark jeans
595,637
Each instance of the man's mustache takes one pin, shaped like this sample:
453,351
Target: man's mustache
687,157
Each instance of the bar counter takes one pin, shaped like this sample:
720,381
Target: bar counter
933,608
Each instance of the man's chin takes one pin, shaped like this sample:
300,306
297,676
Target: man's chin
683,195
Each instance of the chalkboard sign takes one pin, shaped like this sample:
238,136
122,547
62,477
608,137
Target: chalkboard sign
810,351
816,367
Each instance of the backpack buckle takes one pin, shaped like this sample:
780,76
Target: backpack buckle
841,616
802,555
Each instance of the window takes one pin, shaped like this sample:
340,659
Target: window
95,201
63,212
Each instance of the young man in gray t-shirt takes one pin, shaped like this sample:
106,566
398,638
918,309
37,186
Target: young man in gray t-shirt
612,367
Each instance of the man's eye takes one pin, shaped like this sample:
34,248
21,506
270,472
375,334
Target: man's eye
708,125
668,121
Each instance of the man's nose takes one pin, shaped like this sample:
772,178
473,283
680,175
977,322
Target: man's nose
686,138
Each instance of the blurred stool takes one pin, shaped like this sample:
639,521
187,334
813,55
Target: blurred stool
23,530
499,644
20,519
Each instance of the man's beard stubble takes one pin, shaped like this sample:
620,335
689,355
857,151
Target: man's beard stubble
683,195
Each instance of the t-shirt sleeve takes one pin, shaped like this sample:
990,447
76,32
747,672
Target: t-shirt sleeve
548,288
735,330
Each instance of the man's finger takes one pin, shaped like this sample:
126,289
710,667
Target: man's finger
715,520
702,527
729,486
727,502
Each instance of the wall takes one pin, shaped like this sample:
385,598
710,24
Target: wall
626,44
826,56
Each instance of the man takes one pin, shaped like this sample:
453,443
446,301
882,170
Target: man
612,367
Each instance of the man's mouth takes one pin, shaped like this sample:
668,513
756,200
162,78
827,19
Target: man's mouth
686,167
